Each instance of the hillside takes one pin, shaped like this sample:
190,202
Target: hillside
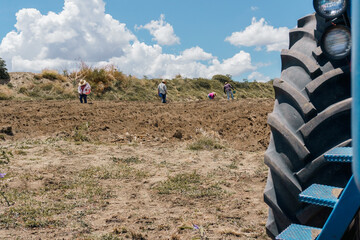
110,84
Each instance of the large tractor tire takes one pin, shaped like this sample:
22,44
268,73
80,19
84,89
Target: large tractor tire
311,116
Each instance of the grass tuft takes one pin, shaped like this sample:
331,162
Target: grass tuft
191,185
5,156
205,143
126,160
81,133
50,75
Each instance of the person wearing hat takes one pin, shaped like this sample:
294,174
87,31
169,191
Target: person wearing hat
212,95
162,90
84,89
228,90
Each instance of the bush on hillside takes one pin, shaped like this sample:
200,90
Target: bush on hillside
102,80
202,83
108,83
3,70
222,78
50,75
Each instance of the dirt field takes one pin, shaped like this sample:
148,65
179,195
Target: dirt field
130,170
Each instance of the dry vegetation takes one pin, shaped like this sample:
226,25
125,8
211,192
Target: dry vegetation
66,190
135,170
110,84
111,170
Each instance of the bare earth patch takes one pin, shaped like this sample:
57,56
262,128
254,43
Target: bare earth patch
87,179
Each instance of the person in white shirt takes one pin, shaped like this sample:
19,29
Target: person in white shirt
84,89
162,91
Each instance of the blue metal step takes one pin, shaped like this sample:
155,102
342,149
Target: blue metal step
299,232
321,195
340,154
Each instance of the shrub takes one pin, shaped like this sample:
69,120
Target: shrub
102,80
46,86
23,90
3,96
5,93
50,74
3,70
222,78
203,83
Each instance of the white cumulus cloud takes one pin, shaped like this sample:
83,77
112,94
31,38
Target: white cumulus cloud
259,34
83,31
142,59
196,53
162,31
259,77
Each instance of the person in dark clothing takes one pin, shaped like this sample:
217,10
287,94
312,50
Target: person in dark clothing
228,90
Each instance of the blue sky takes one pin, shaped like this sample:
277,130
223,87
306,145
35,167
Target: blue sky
158,38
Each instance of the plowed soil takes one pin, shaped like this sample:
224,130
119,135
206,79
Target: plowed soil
242,123
124,170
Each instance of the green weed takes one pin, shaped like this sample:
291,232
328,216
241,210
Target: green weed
33,214
5,156
80,133
205,143
189,185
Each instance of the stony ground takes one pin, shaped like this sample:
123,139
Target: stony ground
130,170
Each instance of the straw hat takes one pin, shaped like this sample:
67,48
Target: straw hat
82,82
163,81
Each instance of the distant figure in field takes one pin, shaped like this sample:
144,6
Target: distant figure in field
212,95
162,91
228,90
84,89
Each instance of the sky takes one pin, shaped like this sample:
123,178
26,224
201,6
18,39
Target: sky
156,39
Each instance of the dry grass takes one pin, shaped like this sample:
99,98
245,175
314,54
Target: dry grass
111,84
137,192
6,93
205,143
50,75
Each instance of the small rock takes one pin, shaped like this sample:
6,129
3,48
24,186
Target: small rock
7,131
178,134
105,128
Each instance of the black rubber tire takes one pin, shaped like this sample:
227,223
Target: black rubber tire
311,116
